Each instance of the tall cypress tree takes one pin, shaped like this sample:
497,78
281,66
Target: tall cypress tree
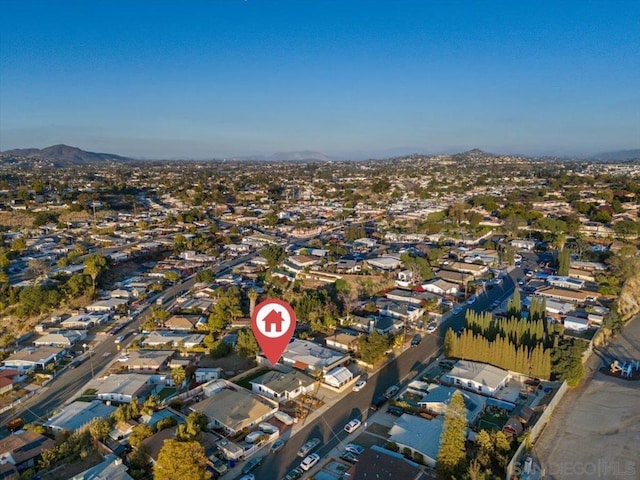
451,460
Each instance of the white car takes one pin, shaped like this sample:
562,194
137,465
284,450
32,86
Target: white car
309,462
359,385
352,426
354,448
471,300
432,327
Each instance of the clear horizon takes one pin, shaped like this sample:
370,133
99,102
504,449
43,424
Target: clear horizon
349,79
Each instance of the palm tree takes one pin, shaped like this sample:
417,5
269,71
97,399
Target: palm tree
253,296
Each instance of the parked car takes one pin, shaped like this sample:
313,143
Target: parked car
520,281
395,410
294,474
458,310
252,464
354,448
391,391
352,426
360,384
471,300
308,447
251,476
377,402
219,465
349,457
267,427
309,462
417,338
277,445
432,327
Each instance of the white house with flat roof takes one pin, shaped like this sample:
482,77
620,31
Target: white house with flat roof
479,377
311,357
418,435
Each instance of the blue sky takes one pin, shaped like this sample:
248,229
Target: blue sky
352,79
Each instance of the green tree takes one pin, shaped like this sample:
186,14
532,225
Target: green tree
172,276
452,454
247,344
95,265
205,276
252,294
192,464
19,245
139,433
178,375
564,260
273,254
99,429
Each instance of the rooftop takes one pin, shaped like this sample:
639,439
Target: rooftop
481,373
417,433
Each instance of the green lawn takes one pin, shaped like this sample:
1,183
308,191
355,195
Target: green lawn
166,392
246,381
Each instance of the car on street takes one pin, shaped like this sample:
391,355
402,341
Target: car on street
415,341
252,464
277,445
520,281
360,384
349,457
378,401
308,447
432,327
354,448
308,463
495,304
294,474
471,300
391,391
352,426
457,310
251,476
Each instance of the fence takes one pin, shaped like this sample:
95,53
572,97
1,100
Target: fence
536,430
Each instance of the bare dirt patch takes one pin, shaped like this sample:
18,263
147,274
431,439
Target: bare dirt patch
595,431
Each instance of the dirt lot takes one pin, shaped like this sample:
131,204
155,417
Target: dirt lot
595,431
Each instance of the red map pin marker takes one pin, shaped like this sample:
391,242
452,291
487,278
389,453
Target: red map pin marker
273,323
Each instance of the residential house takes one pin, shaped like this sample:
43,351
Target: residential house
441,287
385,263
8,379
414,297
235,410
405,279
281,386
418,436
576,324
111,468
405,311
158,338
183,323
311,357
342,342
564,295
437,398
348,266
84,321
105,306
338,377
203,375
148,360
470,268
22,450
380,463
370,323
78,415
565,282
62,339
459,278
523,244
478,377
31,358
123,387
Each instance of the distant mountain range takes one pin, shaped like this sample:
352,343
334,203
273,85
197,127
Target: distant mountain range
62,155
620,155
300,156
65,155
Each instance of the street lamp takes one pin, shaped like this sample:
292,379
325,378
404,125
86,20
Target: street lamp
84,345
